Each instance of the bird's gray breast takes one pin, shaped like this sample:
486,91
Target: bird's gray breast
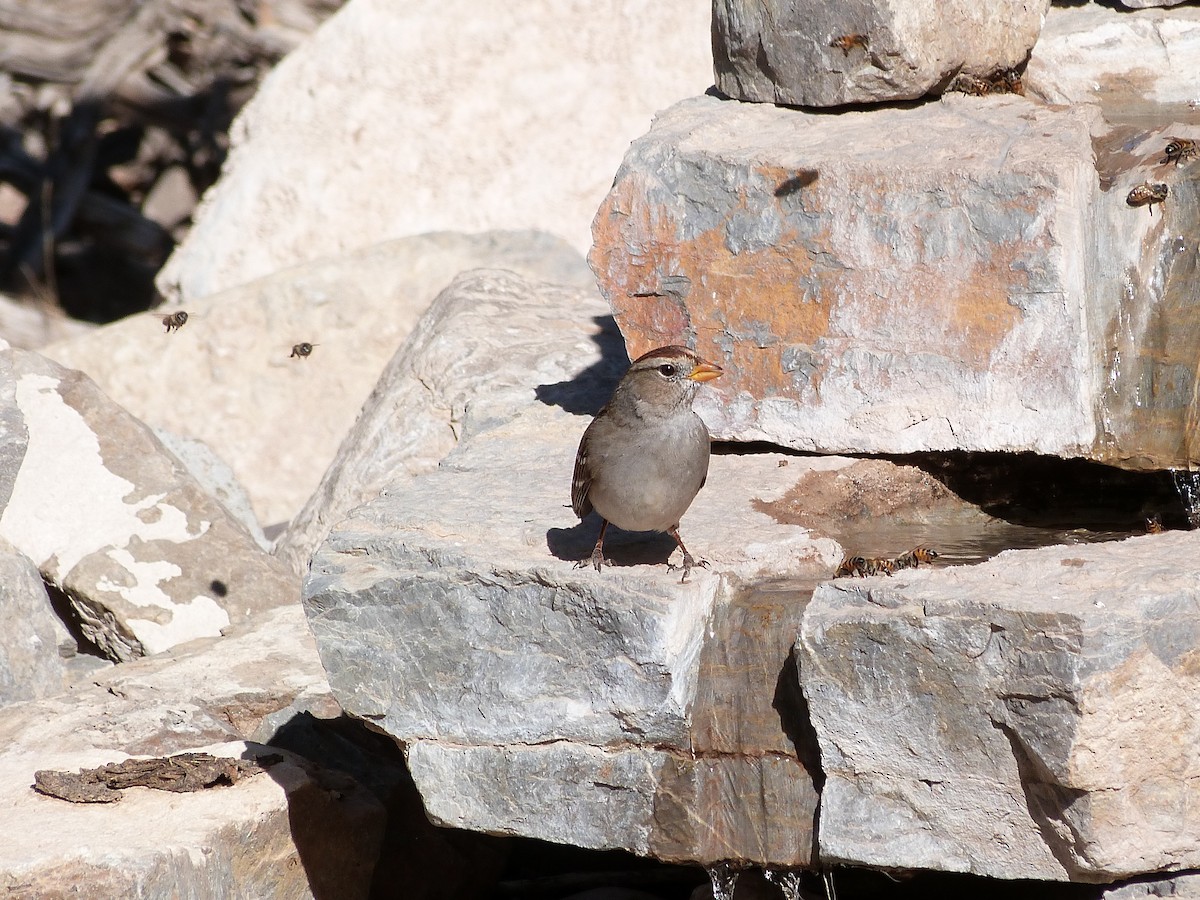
655,477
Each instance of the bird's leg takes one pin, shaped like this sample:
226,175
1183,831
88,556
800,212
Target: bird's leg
688,562
597,558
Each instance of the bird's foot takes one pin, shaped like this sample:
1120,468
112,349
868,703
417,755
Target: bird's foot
597,559
688,564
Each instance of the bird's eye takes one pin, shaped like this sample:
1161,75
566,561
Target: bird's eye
667,370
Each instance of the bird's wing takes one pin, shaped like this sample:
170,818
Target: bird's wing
581,480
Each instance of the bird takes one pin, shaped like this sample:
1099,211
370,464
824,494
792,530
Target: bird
644,457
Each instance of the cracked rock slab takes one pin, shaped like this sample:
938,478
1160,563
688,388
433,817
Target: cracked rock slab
616,709
1030,717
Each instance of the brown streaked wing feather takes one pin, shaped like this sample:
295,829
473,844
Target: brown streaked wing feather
581,480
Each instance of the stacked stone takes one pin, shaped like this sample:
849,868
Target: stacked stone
906,227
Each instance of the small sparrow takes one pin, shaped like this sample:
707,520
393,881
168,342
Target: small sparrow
645,456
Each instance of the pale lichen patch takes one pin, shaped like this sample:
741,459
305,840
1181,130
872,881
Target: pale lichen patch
66,503
162,621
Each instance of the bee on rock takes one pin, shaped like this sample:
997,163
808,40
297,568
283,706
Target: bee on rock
1147,194
1178,150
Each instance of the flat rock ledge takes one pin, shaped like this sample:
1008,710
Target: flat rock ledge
1030,717
296,830
620,709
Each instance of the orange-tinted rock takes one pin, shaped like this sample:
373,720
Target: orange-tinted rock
954,276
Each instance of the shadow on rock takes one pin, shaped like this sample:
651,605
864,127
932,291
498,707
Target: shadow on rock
621,548
587,392
416,860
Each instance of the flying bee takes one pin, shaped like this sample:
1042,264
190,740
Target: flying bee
848,42
1147,194
301,350
1178,150
174,321
851,565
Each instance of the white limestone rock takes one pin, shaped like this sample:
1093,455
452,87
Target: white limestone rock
292,831
31,325
788,52
452,115
228,377
146,557
1030,717
1182,886
1139,66
1146,4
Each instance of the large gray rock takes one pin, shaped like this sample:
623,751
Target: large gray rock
1030,717
454,115
785,51
964,275
228,377
621,709
299,831
30,663
146,557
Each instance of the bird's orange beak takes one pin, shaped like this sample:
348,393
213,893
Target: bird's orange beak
705,371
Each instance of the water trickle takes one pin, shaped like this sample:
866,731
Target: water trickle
1188,484
788,881
724,877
